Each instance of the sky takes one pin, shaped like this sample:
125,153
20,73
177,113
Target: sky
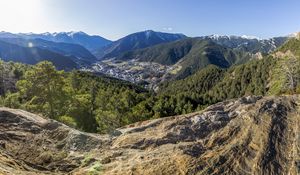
114,19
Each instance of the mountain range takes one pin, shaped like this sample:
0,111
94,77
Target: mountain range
224,118
189,54
67,49
73,46
248,44
90,42
192,54
33,55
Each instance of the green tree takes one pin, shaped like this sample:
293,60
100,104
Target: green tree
290,67
43,89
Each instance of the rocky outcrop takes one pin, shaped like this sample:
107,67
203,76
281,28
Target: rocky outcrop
30,144
251,135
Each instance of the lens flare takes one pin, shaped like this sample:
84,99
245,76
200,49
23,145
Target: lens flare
30,44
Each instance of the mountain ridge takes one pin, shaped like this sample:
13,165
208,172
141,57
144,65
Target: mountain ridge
67,49
135,41
91,42
33,55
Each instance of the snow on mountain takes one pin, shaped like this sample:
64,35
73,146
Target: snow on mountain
251,44
250,37
90,42
218,37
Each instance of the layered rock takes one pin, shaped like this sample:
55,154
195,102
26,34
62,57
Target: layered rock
251,135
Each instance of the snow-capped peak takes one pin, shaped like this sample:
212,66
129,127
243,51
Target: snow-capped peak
217,37
46,33
71,33
250,37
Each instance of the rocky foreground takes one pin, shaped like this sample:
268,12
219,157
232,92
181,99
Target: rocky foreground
251,135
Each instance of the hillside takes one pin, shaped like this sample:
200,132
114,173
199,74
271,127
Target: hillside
135,41
83,56
33,55
270,75
251,135
170,53
108,105
293,45
190,54
149,87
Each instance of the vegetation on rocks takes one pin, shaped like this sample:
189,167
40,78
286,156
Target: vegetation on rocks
96,103
250,135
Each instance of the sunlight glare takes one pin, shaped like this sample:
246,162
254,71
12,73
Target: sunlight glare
16,14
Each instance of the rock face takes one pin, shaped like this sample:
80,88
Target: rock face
251,135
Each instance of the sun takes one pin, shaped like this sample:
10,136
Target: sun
19,14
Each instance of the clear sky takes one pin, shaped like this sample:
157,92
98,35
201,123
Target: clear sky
115,18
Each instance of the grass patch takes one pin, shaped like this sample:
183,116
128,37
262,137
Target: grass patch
88,159
96,169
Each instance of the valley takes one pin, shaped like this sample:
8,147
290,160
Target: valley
154,87
179,59
202,105
147,74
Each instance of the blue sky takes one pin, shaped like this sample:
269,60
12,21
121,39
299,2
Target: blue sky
115,18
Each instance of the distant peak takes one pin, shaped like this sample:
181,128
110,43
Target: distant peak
46,33
71,33
74,32
149,31
216,37
250,37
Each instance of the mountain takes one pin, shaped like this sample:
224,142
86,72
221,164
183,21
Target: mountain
90,42
166,53
191,54
171,53
137,41
292,46
4,34
248,44
213,84
206,53
33,55
83,56
251,135
275,74
222,120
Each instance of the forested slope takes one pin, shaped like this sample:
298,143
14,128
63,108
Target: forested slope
97,103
